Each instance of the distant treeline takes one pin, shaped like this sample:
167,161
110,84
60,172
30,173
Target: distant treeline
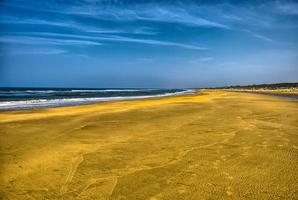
261,86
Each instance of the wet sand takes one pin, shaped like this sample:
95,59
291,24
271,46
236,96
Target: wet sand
209,145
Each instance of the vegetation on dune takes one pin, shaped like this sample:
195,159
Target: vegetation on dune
273,86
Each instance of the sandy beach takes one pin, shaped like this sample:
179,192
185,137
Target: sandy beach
213,144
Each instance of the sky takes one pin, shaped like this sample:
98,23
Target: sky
147,44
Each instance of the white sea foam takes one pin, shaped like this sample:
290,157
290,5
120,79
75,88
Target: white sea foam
27,104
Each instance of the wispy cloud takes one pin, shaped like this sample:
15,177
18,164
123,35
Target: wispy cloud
261,37
151,12
77,26
283,7
29,40
152,42
258,36
201,60
44,52
71,39
140,61
36,51
16,20
176,15
225,16
206,59
227,64
97,23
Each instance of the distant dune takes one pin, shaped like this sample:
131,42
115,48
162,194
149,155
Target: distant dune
273,86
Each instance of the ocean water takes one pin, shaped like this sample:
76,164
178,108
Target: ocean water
27,98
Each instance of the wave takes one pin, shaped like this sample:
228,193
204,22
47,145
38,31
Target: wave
75,90
111,90
27,104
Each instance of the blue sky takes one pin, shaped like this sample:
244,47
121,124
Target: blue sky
110,43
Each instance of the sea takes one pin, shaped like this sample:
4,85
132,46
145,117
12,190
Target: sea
29,98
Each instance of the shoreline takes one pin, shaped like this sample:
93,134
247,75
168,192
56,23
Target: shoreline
53,103
102,107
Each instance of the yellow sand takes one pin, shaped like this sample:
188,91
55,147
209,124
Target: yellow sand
211,145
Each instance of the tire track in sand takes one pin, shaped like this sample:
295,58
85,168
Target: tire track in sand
74,166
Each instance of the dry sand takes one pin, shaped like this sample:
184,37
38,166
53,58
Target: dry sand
210,145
